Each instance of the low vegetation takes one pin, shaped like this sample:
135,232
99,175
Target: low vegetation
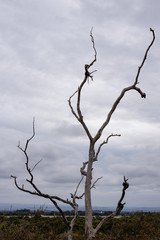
140,226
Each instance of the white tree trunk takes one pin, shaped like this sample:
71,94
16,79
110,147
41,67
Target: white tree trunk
89,231
69,234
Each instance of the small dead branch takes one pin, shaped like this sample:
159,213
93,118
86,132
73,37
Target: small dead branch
83,172
35,165
105,142
74,196
94,48
119,208
94,184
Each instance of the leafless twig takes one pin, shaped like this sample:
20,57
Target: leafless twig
35,165
105,142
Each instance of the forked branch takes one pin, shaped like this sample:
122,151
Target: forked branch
36,190
78,113
105,142
132,87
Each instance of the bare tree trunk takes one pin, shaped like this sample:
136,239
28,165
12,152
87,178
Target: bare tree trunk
72,223
70,234
88,203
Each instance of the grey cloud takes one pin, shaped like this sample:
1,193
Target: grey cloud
67,129
4,175
135,171
44,46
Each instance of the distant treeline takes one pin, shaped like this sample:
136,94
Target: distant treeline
28,212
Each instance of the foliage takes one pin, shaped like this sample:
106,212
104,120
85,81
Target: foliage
138,226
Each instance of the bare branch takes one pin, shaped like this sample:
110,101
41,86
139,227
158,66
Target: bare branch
78,115
94,184
73,221
74,196
61,212
120,205
94,48
40,194
132,87
33,134
36,191
88,75
70,105
35,165
105,142
119,208
83,172
78,185
145,57
25,150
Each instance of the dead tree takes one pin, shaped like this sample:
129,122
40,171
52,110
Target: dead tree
87,167
93,153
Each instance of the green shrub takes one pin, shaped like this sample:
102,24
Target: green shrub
138,226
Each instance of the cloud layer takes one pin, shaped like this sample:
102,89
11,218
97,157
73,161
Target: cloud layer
44,46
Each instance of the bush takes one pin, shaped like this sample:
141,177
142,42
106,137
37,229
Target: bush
138,226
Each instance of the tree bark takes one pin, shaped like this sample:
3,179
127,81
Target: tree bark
69,234
88,202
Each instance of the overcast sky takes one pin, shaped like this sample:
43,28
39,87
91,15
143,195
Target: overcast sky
44,45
